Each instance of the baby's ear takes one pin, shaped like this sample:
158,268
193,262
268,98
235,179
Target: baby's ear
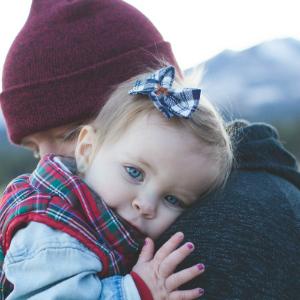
85,148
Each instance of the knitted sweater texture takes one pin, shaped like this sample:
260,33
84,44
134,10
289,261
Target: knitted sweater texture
248,234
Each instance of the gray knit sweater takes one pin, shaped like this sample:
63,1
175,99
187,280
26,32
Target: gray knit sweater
248,234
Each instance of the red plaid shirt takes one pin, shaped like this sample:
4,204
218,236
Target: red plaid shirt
54,195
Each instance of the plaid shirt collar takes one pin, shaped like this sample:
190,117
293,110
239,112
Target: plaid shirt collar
56,175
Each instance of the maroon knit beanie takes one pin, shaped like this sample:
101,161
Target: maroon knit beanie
67,58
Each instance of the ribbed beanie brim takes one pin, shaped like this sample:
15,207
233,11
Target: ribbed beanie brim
69,56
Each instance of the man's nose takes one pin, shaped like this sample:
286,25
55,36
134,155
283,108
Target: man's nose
46,147
53,146
145,207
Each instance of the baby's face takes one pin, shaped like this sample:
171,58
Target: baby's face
151,173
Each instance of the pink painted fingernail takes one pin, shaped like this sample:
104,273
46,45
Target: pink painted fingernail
190,246
200,267
145,242
201,292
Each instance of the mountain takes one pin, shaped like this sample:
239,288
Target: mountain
260,83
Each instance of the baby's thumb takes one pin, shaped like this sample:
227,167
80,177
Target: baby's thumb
147,251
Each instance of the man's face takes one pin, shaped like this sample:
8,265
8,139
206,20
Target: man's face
151,173
56,140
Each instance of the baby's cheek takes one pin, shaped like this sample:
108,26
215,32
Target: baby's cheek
165,220
114,193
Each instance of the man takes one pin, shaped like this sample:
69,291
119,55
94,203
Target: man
58,74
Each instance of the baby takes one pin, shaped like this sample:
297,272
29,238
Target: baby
149,155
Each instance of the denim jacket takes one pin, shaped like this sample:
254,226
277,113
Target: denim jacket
60,268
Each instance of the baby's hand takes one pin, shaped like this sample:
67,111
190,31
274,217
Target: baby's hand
158,271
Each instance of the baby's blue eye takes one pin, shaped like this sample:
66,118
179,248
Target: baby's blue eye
175,201
135,173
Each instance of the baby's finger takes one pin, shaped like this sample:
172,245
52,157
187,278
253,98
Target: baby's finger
169,264
187,294
177,279
170,245
147,251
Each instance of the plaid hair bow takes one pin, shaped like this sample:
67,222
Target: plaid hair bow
171,102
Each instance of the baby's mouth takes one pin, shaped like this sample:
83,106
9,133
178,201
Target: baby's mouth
129,224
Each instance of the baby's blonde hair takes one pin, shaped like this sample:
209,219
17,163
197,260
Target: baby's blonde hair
206,123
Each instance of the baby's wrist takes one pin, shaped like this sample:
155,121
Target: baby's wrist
142,287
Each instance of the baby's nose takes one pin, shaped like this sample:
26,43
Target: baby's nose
145,207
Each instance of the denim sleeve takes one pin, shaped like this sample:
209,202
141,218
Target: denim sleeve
44,263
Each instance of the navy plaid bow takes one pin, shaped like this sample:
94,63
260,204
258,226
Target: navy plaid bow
171,102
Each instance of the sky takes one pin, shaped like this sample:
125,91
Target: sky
197,29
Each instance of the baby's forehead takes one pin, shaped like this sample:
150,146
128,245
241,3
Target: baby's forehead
157,122
156,137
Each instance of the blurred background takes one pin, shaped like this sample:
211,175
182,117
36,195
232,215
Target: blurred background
248,53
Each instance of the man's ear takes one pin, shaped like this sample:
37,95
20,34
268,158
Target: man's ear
85,148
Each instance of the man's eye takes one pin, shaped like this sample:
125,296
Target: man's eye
71,135
175,201
135,173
